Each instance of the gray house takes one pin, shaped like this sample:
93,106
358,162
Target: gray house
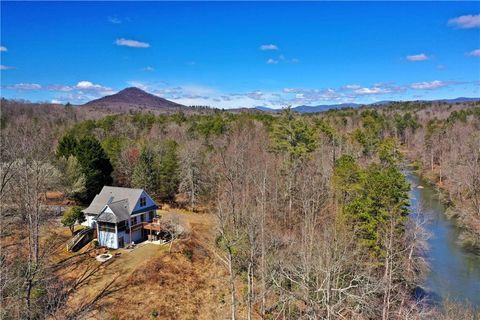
119,215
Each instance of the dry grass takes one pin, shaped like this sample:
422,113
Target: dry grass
153,282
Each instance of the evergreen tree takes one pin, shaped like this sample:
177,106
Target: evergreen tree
293,136
145,174
388,152
66,146
95,165
346,177
371,134
71,217
73,179
381,200
169,171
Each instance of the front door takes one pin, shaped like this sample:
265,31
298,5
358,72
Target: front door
121,242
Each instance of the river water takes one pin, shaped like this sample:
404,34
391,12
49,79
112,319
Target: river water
454,272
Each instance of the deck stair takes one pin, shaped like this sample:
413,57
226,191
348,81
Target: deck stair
83,237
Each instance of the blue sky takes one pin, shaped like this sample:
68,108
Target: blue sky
241,54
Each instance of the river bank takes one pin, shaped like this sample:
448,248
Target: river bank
454,273
468,237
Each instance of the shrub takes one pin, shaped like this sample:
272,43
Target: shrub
188,253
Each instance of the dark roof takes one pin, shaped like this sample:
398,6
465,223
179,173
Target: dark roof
120,201
110,195
120,212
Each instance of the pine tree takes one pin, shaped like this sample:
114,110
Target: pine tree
71,217
293,136
66,146
95,165
381,200
145,174
73,179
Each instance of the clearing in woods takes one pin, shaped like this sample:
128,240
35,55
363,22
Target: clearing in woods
186,281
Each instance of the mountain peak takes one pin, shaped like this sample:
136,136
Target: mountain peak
133,97
133,89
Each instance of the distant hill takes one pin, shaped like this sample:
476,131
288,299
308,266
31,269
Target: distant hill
321,108
132,99
460,99
312,109
326,107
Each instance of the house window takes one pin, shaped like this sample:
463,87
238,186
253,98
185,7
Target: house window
142,218
143,202
151,215
107,227
133,221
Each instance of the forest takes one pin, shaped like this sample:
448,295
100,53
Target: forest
311,211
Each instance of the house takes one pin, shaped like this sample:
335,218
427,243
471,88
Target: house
119,215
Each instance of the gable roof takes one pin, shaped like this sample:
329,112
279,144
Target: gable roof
109,195
120,212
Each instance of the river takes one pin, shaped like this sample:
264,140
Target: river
454,272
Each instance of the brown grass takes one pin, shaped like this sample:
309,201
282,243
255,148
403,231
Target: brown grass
153,283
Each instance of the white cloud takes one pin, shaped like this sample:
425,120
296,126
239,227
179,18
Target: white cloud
282,59
114,20
266,47
148,68
474,53
24,86
4,67
3,49
131,43
95,90
198,90
55,101
256,95
352,86
82,92
291,90
87,85
59,87
417,57
373,90
428,85
466,22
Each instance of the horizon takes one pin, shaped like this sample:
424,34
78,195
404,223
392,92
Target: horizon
269,54
342,105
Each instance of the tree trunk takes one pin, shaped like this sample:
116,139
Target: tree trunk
233,299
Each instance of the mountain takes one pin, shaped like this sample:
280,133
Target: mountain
326,107
266,109
460,99
312,109
133,98
136,100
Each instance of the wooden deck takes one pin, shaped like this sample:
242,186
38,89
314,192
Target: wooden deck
153,226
